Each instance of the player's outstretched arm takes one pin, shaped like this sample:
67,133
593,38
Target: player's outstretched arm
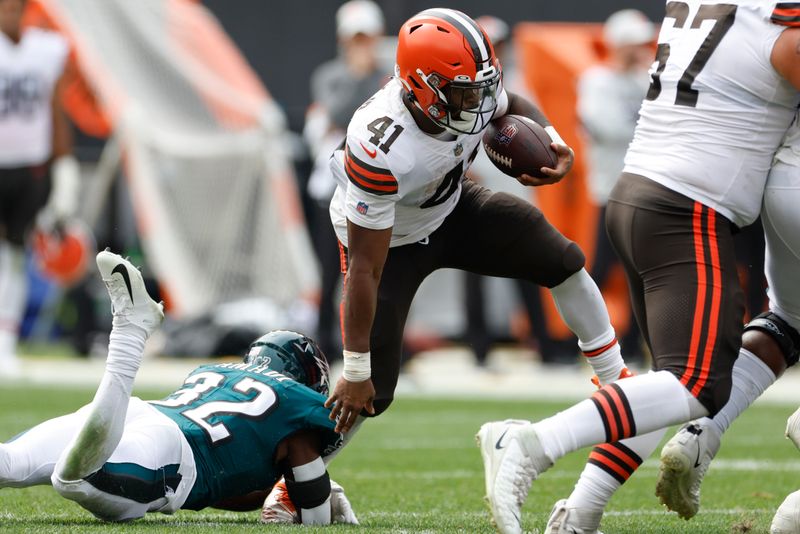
367,250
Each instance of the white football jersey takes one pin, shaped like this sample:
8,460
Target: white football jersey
716,109
29,71
390,174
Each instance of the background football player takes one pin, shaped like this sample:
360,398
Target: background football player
402,208
770,344
221,440
690,177
35,138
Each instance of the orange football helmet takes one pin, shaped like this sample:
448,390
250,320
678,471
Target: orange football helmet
63,252
447,64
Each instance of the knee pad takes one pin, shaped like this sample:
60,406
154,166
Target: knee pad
573,259
787,338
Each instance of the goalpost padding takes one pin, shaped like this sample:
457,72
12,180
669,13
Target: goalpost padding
204,147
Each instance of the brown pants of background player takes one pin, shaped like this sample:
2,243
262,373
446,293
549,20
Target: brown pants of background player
488,233
23,192
679,260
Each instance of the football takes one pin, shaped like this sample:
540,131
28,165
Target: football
517,145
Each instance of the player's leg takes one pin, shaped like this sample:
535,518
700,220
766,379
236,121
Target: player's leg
696,444
29,458
674,276
13,289
499,234
151,470
23,193
136,316
770,342
611,464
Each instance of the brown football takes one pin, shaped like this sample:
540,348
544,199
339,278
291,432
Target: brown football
517,145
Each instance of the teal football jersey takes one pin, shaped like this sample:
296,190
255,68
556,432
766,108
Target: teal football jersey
234,416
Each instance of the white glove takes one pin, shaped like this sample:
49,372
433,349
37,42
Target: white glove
63,201
341,511
793,428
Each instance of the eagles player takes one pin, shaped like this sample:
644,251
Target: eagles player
403,208
690,178
223,439
35,142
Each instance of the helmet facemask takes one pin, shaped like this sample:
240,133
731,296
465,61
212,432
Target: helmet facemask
463,106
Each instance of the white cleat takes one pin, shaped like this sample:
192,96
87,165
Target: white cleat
684,462
787,518
566,520
512,459
129,298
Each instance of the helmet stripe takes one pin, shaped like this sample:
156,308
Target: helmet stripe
469,28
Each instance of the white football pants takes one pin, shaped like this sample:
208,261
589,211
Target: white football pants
149,442
780,215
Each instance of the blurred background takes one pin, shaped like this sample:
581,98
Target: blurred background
201,130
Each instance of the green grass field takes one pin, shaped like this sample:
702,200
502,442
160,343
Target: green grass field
417,469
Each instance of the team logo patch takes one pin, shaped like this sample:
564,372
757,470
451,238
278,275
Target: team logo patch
458,149
265,360
505,135
362,207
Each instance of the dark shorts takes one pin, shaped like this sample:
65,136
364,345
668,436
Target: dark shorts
23,192
488,233
681,268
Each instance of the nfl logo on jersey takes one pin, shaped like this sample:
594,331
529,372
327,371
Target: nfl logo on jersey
362,208
505,135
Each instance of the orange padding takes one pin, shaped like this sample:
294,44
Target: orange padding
551,57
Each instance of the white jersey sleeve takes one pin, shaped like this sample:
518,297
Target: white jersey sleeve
391,174
372,189
716,109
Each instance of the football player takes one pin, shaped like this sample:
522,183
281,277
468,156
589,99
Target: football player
770,344
35,143
690,178
402,208
223,439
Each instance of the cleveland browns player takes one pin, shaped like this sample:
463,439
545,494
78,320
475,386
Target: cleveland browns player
691,177
402,209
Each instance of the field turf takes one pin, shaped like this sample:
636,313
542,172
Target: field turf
417,469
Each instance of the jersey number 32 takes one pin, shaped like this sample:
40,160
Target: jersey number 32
253,407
